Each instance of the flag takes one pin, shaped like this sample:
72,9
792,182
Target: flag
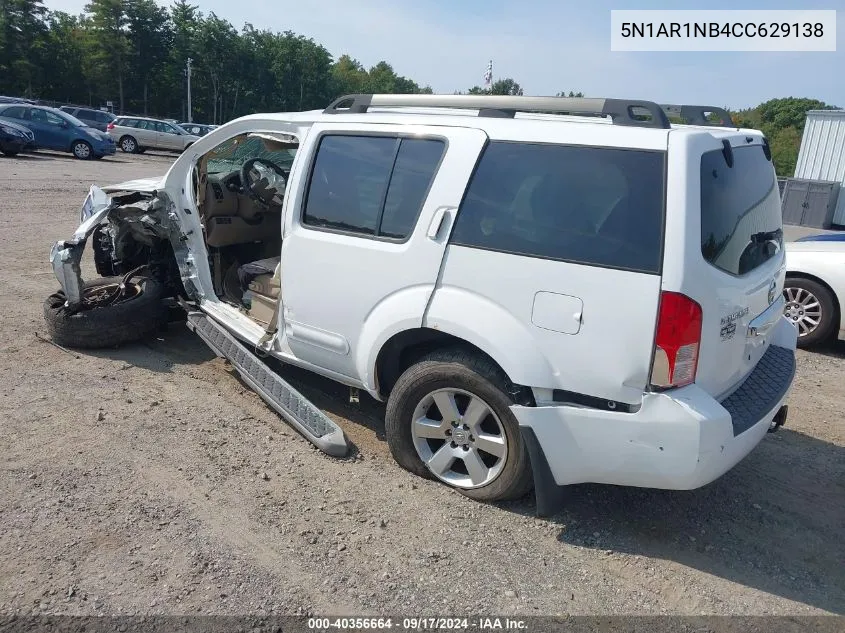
488,74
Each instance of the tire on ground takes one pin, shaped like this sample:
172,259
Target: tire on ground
824,330
107,326
459,369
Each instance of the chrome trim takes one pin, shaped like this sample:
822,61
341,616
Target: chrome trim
766,320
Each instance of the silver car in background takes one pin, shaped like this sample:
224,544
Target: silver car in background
135,135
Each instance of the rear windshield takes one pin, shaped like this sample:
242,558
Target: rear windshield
741,226
586,205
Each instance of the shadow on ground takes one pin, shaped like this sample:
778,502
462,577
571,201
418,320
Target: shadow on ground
773,523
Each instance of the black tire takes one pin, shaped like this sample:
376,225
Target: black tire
128,144
107,326
10,152
465,370
82,150
827,319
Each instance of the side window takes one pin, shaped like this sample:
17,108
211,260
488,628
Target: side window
15,112
598,206
416,164
44,116
370,185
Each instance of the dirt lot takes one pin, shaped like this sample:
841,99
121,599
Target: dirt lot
133,482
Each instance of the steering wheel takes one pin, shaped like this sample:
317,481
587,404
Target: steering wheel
251,177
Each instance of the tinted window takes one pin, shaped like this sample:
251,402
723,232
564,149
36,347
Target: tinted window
15,112
104,117
416,164
45,116
370,185
588,205
741,224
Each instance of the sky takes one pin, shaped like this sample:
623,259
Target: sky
547,46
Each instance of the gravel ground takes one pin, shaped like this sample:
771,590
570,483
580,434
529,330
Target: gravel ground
149,480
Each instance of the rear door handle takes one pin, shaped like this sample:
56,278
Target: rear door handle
438,220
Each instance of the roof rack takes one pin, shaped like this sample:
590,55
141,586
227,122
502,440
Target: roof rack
698,115
621,111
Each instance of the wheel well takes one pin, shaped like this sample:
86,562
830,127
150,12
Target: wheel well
836,301
405,348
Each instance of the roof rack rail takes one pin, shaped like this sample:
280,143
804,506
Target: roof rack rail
621,111
699,115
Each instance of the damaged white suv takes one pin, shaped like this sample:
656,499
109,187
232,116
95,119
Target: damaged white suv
544,291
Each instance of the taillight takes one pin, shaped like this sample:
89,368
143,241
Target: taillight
677,342
110,126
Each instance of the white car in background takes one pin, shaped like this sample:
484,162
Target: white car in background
815,287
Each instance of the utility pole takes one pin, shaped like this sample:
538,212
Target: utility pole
190,119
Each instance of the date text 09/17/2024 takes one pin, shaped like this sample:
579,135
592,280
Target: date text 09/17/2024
416,624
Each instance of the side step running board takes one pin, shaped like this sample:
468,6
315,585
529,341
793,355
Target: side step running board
297,410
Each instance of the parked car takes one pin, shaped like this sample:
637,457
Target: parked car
98,119
815,287
135,135
15,138
197,129
542,298
14,100
57,130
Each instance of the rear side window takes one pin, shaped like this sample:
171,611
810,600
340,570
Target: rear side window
15,112
741,224
371,185
587,205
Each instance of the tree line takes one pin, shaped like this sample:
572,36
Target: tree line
134,53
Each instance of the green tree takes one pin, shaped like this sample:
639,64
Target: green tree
110,47
785,145
64,54
23,36
506,86
216,42
571,94
150,36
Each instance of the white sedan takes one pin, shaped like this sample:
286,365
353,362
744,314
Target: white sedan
815,287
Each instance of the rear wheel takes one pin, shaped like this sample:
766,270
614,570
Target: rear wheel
811,307
82,150
10,152
112,313
128,144
448,417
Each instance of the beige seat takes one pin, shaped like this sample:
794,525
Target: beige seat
264,286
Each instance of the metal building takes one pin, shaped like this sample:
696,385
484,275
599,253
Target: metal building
822,154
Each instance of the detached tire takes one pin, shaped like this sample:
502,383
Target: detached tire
448,417
110,325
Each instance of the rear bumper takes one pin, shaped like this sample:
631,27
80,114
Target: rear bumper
677,440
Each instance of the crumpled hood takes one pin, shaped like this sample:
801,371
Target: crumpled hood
144,185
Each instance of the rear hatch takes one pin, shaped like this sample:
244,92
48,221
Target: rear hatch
724,248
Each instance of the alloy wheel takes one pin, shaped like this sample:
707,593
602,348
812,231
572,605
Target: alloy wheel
803,308
459,438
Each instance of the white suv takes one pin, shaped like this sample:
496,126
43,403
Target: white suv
538,295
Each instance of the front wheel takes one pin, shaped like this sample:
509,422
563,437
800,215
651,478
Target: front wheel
10,152
112,313
449,417
810,306
82,150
